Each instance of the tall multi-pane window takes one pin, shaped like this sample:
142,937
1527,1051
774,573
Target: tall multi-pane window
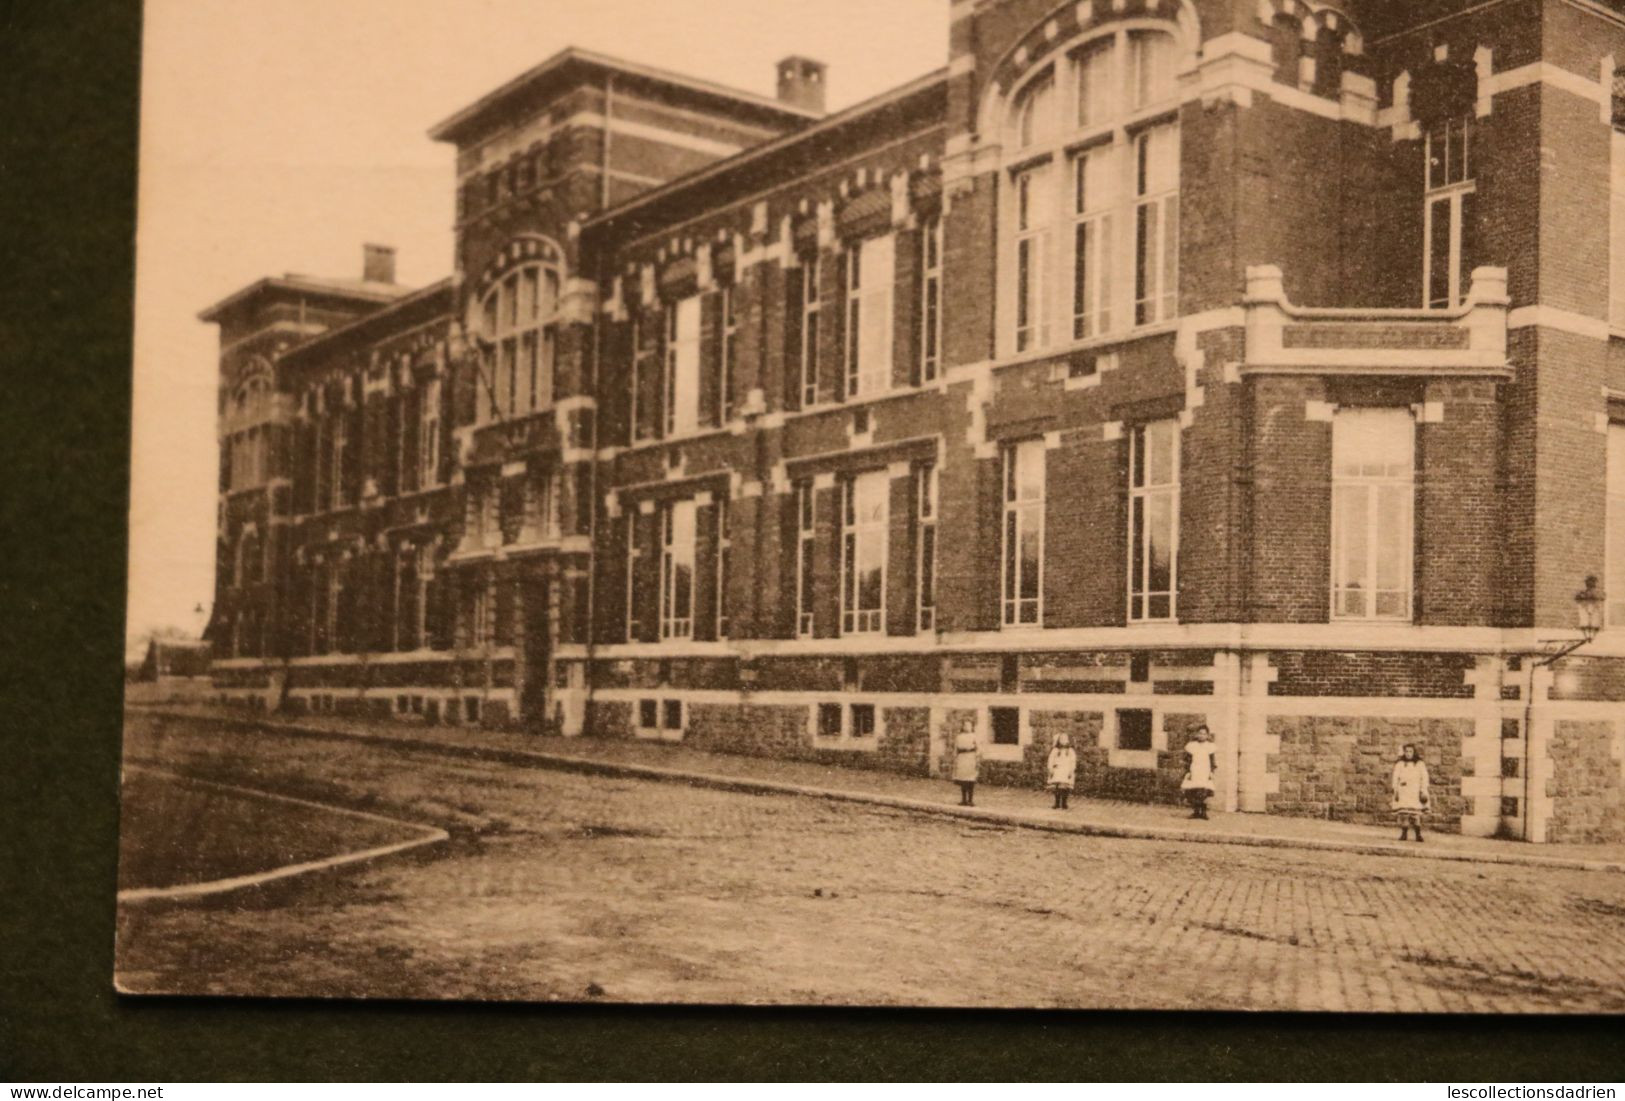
682,374
1373,506
677,570
1153,535
1032,256
805,544
1156,223
429,433
1094,196
864,498
521,329
1614,572
871,266
925,569
931,300
730,354
1093,206
1450,221
724,561
406,594
647,330
341,445
1023,548
633,630
811,299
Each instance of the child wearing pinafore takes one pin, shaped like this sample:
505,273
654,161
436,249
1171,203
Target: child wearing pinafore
1061,770
1411,796
1198,782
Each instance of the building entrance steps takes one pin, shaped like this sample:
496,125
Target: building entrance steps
1027,808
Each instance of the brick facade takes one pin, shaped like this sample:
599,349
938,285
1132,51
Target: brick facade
535,566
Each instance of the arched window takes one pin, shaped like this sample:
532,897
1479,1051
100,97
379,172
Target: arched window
520,328
1092,203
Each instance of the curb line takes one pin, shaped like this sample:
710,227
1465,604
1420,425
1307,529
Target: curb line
428,835
583,766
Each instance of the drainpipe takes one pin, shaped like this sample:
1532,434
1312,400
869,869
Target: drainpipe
603,167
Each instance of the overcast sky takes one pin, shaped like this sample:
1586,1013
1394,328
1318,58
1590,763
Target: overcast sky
278,137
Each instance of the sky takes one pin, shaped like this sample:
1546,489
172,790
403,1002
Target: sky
279,137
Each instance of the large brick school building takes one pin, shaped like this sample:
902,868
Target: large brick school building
1256,363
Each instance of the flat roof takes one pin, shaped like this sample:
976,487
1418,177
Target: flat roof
360,290
457,126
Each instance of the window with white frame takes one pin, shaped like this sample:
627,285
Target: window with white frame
682,374
931,300
429,434
646,364
632,623
340,442
1616,231
520,323
811,301
846,722
1449,214
1093,207
677,570
1614,570
730,353
724,561
1153,523
1373,506
1023,548
864,500
925,570
871,267
1033,198
806,541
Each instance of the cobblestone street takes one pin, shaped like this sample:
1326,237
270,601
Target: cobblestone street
558,886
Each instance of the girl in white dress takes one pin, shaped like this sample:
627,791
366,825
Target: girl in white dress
1411,796
1061,770
1198,783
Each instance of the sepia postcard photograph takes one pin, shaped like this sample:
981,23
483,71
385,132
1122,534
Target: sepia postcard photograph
1116,504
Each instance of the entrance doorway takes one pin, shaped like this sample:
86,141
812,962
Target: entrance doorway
534,700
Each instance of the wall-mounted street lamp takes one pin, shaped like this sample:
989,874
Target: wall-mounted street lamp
1588,605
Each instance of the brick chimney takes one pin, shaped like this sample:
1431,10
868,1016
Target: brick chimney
802,83
378,263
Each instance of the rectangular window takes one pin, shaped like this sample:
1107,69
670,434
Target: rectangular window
1092,76
1023,554
1373,501
863,552
677,570
646,331
683,367
1614,574
649,714
503,612
633,631
1032,256
341,444
811,292
857,720
429,434
871,272
926,569
1153,520
507,378
931,300
829,720
724,556
730,354
1134,728
1450,215
671,714
1005,725
1094,196
805,543
1156,224
862,720
527,393
1616,232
